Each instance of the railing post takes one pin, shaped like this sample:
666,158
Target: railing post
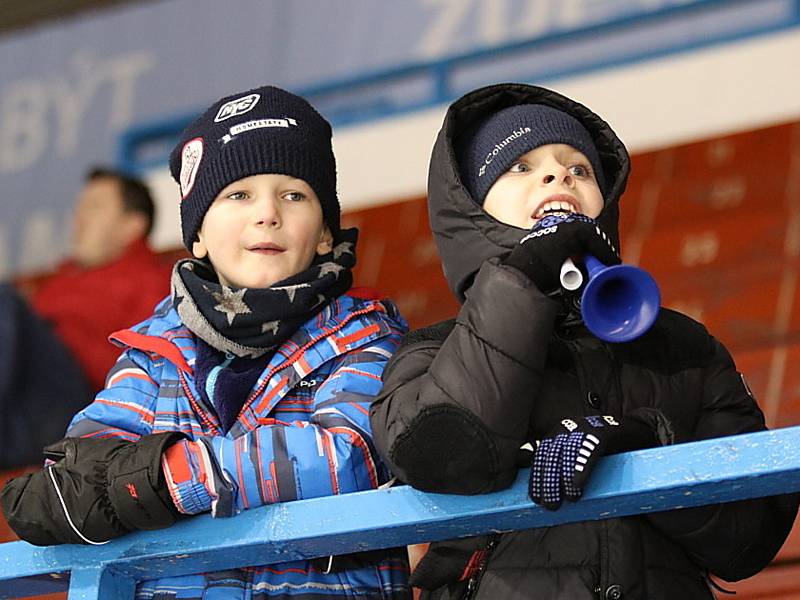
100,583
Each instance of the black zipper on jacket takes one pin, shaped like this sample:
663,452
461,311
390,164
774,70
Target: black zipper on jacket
586,385
605,562
475,581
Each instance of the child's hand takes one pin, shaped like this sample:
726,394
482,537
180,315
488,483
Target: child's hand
98,489
554,239
564,460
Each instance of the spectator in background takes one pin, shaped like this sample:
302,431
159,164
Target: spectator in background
111,279
54,350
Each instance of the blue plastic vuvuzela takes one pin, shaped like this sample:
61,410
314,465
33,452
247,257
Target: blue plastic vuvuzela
620,302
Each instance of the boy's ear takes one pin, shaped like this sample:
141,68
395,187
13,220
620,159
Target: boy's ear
325,244
199,249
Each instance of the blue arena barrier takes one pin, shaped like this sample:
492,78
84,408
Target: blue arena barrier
707,472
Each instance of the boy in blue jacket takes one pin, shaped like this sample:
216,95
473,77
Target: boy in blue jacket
251,383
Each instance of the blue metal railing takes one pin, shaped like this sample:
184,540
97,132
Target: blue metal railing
711,471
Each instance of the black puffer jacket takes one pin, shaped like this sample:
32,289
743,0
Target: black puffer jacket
461,397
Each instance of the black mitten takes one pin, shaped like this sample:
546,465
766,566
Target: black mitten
97,490
451,561
564,460
554,239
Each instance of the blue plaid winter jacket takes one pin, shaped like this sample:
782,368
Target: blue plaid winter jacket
303,432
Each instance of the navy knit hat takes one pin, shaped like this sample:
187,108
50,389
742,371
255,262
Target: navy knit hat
264,130
491,146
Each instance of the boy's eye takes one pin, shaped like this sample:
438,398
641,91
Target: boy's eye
237,196
519,167
294,196
580,170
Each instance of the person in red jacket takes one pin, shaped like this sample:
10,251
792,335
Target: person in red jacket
111,279
54,348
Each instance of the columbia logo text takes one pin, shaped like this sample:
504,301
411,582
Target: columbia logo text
517,133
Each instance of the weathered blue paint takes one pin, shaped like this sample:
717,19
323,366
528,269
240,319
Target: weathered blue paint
711,471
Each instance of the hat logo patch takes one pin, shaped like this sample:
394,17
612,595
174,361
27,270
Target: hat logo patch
190,163
257,124
237,107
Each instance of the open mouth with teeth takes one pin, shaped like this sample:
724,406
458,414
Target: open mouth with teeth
554,207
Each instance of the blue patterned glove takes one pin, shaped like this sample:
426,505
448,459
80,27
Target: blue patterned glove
564,460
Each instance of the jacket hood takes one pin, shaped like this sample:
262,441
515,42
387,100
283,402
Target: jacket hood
465,234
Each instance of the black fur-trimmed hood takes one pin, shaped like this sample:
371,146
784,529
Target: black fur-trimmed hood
465,235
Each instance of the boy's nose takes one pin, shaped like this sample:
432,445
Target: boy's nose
557,174
267,213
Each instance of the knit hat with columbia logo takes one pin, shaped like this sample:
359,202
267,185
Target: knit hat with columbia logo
264,130
491,146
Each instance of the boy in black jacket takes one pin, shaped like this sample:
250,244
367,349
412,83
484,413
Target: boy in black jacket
522,178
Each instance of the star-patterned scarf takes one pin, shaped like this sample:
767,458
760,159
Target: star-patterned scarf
250,322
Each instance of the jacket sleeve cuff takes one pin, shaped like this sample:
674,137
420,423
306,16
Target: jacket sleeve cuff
184,471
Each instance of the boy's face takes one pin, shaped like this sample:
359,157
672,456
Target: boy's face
262,229
550,178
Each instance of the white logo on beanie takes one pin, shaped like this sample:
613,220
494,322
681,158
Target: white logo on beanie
190,162
237,107
517,133
257,124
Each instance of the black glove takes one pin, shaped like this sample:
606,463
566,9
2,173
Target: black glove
564,460
98,489
554,239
